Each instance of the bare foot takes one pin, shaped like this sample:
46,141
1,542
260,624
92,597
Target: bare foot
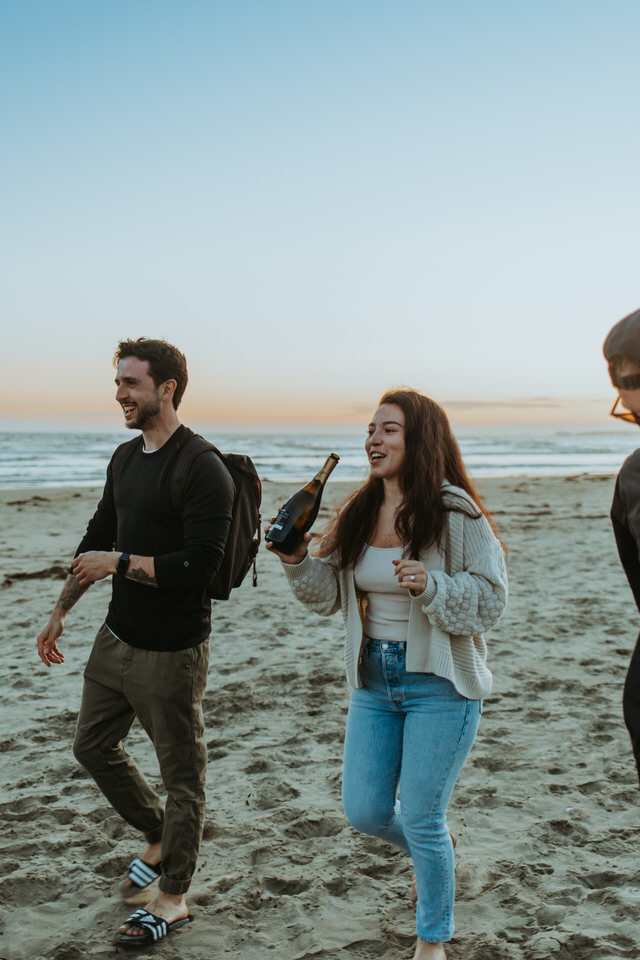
429,951
169,906
152,855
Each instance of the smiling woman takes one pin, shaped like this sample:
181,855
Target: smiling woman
412,561
412,452
385,441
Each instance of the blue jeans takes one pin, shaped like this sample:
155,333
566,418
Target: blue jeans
411,731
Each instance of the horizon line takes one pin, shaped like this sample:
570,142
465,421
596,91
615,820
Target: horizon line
522,411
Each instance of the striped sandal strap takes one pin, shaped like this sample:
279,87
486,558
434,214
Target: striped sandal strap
142,873
156,926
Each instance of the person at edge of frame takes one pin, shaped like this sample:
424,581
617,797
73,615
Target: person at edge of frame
150,656
414,565
622,353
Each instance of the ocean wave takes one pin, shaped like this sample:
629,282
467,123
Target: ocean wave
76,458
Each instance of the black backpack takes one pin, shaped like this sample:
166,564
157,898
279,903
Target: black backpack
243,539
244,530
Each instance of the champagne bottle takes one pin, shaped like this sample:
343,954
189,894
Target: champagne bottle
296,517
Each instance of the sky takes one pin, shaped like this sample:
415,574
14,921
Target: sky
318,201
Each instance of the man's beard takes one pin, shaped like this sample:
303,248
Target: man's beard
145,414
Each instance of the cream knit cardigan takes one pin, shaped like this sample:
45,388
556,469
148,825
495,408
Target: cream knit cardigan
461,600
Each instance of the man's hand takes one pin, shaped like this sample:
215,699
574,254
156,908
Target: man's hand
47,647
94,565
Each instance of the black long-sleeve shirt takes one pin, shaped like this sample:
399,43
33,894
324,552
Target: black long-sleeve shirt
625,516
136,515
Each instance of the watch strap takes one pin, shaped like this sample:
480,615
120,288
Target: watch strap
123,564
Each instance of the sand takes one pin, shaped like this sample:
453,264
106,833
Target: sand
545,813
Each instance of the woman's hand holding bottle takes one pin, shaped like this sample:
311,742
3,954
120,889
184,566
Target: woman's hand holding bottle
297,515
411,575
298,554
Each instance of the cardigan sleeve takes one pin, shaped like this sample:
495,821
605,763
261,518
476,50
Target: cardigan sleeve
314,582
472,600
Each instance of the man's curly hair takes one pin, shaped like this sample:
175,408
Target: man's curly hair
166,362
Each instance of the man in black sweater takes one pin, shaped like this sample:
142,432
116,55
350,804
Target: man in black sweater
150,657
622,352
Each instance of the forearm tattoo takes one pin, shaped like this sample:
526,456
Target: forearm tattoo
141,576
71,593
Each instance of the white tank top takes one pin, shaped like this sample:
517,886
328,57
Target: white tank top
388,608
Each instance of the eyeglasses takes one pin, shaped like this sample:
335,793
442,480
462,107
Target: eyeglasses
627,415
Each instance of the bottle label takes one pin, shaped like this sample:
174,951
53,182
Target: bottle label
275,526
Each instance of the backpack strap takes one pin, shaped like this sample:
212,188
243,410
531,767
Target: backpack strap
188,451
122,455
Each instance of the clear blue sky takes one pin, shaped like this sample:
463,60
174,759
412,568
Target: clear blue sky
317,201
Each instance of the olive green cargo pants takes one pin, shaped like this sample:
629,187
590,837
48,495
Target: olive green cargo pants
164,689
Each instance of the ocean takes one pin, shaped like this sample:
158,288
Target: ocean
79,458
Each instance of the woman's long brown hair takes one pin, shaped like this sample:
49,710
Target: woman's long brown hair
432,456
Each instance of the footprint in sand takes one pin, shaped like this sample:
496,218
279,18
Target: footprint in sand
271,793
308,827
286,886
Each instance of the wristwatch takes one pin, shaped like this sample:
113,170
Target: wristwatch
123,564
